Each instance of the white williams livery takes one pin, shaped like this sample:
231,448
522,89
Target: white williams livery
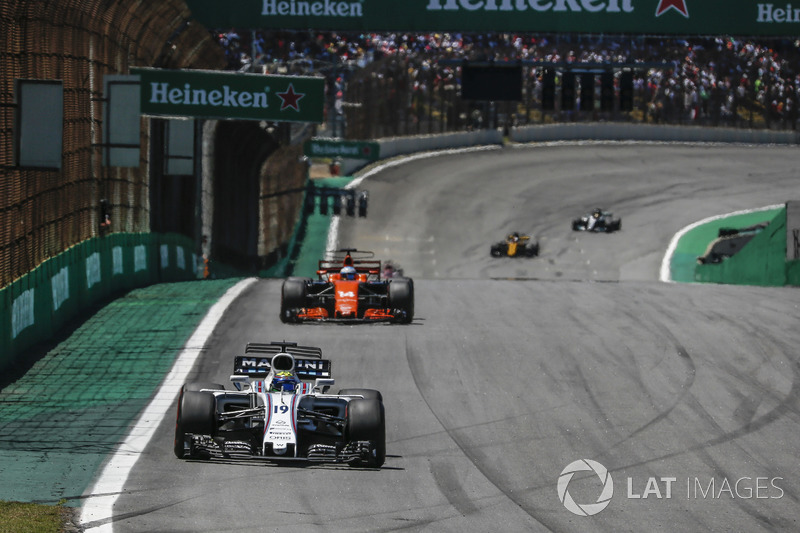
281,410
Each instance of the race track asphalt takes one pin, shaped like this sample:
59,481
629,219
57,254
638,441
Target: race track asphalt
512,370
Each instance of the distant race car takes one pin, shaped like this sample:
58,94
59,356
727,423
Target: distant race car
515,245
350,288
277,413
597,221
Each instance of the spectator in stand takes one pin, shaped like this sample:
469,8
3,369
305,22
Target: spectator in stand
720,80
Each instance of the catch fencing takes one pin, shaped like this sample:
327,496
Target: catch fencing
44,212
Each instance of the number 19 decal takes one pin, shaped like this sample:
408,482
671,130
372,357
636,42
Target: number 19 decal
282,409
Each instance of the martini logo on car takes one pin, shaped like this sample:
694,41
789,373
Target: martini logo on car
253,362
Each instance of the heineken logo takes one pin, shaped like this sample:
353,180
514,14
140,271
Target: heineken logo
290,98
164,93
677,5
316,8
655,17
219,94
771,13
592,6
338,148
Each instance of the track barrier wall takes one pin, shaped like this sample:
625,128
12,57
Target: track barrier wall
34,307
395,146
762,261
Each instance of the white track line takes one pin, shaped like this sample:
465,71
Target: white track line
97,510
665,263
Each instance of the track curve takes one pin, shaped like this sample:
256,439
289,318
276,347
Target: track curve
512,369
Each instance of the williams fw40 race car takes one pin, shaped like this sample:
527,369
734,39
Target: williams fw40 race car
598,221
278,413
349,288
515,245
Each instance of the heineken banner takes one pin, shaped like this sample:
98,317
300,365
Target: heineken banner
660,17
212,94
344,149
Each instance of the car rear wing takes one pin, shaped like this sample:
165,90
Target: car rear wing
260,367
274,348
360,260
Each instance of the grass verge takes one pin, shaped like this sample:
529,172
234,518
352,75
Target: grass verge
19,517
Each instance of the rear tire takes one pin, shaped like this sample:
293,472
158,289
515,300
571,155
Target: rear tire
294,293
401,297
366,421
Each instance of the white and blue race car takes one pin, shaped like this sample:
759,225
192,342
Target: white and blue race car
598,221
281,410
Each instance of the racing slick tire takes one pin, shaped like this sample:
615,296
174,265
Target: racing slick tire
366,421
497,250
401,297
196,414
294,293
368,394
576,225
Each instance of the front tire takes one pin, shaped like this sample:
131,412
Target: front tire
368,394
196,415
366,421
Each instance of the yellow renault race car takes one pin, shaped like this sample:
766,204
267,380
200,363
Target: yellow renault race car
516,245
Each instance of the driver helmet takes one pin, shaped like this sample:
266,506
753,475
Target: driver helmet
348,272
597,212
283,382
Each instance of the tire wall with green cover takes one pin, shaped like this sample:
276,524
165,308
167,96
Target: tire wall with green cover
762,261
34,307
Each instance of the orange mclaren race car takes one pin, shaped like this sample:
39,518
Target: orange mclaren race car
349,288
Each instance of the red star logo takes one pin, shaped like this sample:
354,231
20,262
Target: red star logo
290,98
677,5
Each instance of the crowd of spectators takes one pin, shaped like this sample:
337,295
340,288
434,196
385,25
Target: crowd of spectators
709,80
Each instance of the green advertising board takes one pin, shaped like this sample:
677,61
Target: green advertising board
342,149
213,94
659,17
